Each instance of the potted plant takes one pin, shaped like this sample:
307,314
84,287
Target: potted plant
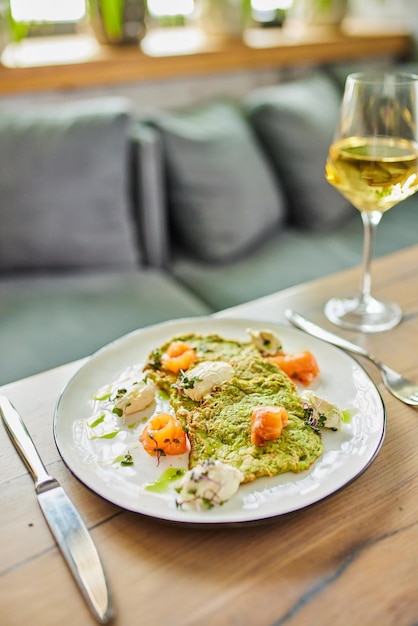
318,12
225,18
118,21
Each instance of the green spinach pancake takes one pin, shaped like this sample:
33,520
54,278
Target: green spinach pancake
219,424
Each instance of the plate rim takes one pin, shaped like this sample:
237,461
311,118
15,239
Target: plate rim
218,523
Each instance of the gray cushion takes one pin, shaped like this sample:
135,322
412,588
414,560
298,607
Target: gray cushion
64,185
295,122
223,196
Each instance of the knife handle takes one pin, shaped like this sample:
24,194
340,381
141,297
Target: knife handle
23,443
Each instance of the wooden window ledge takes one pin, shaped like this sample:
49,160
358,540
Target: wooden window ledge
73,62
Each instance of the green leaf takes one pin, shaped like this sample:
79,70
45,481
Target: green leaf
170,475
112,16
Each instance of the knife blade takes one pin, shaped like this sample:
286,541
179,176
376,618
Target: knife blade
63,519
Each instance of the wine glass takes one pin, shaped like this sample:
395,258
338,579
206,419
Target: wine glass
373,162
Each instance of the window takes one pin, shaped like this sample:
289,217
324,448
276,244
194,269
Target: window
72,11
48,10
46,17
159,8
34,21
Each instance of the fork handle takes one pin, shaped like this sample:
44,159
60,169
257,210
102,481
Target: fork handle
316,331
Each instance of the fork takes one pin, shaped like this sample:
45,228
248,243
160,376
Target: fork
403,389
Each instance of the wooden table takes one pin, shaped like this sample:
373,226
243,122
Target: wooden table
351,559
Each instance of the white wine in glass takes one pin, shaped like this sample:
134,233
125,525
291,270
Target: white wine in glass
373,162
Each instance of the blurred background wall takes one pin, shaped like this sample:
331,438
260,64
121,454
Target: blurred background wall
179,91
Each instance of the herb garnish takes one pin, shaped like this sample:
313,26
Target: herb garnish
154,360
159,452
186,382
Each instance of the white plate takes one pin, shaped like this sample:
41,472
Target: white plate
347,452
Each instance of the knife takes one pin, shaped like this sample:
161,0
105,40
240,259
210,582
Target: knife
64,521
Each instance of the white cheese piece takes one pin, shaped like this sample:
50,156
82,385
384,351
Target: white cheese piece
324,413
135,397
265,341
201,379
209,484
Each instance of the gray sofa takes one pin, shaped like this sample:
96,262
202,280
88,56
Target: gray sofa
110,222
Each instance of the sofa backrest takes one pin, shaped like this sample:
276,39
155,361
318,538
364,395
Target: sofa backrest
295,122
149,194
65,201
231,173
86,184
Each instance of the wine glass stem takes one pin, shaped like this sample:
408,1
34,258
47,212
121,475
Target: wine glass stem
370,221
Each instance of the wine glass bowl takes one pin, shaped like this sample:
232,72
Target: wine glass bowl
373,162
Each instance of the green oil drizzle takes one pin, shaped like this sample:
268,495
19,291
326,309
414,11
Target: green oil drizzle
106,396
162,483
346,416
111,435
97,421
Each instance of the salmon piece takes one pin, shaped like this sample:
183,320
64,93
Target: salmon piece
176,348
178,356
267,423
163,435
301,367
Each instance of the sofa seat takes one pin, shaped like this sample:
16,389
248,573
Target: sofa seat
292,256
47,321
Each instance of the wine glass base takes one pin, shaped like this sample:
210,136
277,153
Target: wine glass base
368,316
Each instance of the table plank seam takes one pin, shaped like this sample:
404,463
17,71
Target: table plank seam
345,564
